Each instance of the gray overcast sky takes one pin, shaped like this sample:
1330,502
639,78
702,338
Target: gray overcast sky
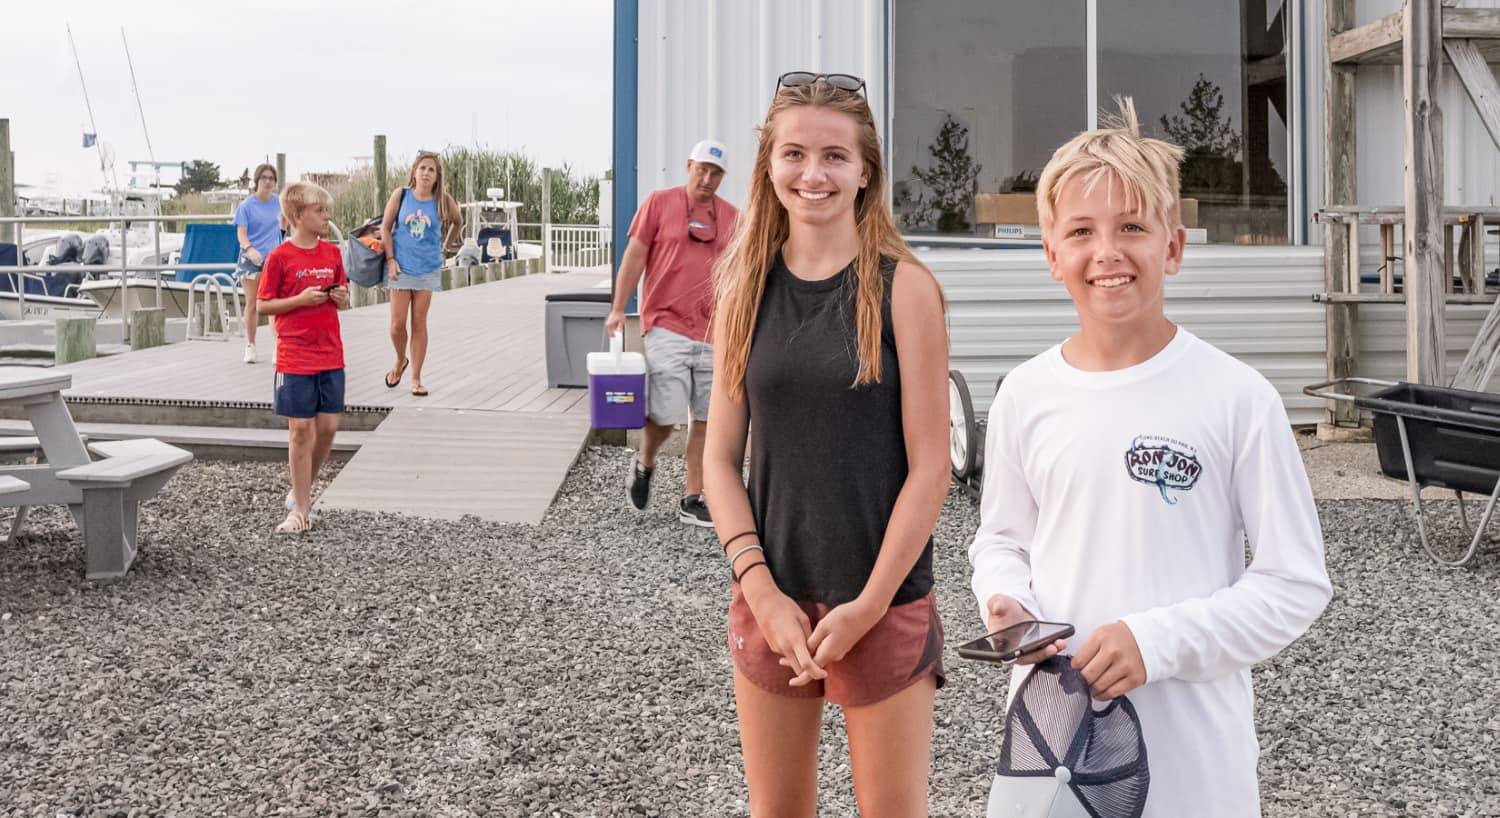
233,82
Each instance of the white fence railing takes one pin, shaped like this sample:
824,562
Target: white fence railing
570,246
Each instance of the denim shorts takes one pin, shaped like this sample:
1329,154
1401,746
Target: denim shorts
431,282
245,267
305,396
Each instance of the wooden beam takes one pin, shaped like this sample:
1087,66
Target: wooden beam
1380,41
1479,81
1471,24
1341,336
1367,42
1423,271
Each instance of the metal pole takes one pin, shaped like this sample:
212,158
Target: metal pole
124,291
156,258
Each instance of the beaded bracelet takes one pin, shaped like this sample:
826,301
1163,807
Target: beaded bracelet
741,574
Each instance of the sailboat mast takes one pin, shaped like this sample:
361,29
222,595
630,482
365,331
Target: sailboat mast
155,171
109,182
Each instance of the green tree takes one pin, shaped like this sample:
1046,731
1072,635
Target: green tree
198,176
950,180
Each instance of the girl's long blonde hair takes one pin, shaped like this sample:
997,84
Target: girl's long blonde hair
740,274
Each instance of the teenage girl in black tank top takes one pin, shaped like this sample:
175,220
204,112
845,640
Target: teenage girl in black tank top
829,341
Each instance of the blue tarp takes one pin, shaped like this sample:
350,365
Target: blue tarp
209,244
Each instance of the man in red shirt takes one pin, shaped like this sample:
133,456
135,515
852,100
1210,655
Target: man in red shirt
675,238
303,285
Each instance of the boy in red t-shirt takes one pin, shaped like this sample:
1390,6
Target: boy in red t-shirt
303,285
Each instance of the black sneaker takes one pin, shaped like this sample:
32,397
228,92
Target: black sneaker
639,484
694,511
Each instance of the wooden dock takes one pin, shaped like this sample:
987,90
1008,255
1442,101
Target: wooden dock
491,439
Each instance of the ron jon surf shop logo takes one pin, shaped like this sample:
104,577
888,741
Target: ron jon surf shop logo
1170,466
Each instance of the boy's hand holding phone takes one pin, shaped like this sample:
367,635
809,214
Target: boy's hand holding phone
1111,661
1005,611
313,296
340,295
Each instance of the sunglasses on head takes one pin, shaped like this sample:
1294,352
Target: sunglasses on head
799,79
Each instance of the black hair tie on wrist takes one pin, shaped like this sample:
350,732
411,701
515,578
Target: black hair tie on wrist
741,574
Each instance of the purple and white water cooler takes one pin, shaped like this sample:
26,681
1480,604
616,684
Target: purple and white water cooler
617,387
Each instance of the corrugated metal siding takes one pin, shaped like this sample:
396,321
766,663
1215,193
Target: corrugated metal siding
1252,302
708,69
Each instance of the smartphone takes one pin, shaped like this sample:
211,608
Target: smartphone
330,288
1015,641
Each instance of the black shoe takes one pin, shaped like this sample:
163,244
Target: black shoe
694,511
639,484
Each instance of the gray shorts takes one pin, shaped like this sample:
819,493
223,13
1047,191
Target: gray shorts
680,375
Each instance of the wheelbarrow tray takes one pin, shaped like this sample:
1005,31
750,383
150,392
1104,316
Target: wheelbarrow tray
1453,435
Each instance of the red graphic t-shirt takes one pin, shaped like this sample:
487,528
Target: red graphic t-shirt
307,338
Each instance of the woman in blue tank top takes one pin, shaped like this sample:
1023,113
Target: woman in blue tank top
420,220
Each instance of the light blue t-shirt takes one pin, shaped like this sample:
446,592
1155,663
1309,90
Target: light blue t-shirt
418,235
261,221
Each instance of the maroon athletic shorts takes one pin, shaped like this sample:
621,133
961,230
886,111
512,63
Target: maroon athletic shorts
903,647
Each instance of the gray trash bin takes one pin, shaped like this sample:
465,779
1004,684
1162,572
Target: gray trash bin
575,327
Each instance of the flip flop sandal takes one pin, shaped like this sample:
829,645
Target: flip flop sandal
400,373
419,391
294,524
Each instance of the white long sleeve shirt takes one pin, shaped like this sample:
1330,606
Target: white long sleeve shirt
1128,495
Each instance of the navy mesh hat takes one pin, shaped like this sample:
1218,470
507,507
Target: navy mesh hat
1061,758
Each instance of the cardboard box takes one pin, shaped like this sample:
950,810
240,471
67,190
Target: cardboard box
1020,208
1005,208
1189,212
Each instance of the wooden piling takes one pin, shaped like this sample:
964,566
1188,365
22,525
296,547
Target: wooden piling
1340,319
148,327
280,172
1423,270
75,340
7,183
382,186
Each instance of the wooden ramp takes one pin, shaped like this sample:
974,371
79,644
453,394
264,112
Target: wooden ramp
446,463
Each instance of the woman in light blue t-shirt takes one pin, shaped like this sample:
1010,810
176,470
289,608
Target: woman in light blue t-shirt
420,221
257,221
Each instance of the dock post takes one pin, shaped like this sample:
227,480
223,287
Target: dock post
7,185
280,172
148,327
382,191
75,340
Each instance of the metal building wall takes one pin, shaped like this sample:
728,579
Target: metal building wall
1253,302
707,68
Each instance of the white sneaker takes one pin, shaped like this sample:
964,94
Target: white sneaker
249,353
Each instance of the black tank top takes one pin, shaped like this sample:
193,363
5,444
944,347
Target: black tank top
827,459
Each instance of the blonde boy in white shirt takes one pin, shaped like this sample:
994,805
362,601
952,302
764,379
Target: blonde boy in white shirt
1125,470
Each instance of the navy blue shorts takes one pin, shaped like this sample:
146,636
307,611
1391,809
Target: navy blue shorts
304,396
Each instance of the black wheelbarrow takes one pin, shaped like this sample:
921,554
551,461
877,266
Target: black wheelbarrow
1432,436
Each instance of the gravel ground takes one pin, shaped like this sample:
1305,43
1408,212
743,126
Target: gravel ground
385,665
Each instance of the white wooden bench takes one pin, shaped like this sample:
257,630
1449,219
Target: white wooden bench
113,488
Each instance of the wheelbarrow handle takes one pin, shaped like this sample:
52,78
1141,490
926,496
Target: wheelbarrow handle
1335,389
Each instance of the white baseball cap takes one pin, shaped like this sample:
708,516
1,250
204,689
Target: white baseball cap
712,152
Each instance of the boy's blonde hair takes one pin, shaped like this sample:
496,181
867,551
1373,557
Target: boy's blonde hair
298,196
1146,168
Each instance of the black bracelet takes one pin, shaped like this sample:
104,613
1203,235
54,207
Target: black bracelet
746,570
731,540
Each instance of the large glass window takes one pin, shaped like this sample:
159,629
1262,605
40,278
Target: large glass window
1209,75
985,91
